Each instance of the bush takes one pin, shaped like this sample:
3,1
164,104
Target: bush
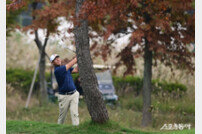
121,84
159,88
174,90
22,79
19,78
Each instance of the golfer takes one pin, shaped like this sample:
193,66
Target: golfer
68,95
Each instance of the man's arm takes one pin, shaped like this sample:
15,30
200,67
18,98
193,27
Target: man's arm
71,63
75,70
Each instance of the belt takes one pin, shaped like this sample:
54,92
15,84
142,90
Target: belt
68,93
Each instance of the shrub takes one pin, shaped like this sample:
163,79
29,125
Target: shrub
129,81
22,79
159,88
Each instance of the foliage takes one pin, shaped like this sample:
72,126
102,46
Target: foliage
11,19
122,83
159,88
170,87
85,128
45,17
22,79
75,76
166,26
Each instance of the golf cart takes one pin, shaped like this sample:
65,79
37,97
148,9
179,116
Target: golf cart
106,86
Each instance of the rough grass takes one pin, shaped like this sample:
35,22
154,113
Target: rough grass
127,113
165,110
164,105
31,127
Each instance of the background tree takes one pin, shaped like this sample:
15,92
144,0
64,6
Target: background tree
43,18
161,29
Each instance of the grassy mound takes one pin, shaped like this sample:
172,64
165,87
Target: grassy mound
84,128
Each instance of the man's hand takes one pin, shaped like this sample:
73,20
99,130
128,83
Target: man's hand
71,63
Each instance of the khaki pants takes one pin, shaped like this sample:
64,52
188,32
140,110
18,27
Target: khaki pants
66,102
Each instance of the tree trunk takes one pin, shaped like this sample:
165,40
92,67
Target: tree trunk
93,96
147,118
43,98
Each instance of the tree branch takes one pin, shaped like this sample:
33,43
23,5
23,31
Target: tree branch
39,45
38,42
46,40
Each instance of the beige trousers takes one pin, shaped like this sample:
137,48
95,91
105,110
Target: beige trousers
68,102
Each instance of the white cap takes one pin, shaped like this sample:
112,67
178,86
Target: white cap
52,58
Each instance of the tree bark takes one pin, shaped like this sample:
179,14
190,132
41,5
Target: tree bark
93,96
147,117
43,97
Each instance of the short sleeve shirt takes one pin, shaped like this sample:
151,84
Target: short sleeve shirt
64,79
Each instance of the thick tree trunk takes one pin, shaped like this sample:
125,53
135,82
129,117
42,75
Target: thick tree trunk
93,96
147,118
43,98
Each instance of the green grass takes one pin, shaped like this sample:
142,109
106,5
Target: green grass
184,105
128,113
31,127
